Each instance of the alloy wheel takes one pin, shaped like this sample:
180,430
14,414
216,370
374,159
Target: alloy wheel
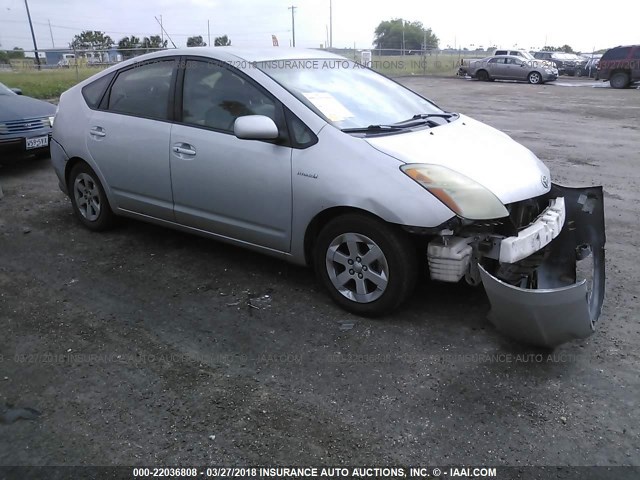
87,197
534,78
357,267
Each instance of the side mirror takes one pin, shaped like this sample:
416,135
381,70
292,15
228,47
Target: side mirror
17,91
255,127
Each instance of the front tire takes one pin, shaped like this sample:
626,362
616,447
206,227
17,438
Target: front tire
534,78
368,266
88,199
483,76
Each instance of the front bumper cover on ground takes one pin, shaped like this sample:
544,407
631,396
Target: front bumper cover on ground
559,309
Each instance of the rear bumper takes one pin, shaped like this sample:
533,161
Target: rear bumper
558,309
59,161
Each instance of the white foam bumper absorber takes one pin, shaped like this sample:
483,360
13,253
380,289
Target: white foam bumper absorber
448,262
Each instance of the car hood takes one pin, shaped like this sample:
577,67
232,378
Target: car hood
482,153
18,107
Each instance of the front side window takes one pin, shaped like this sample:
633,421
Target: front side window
143,91
214,96
346,94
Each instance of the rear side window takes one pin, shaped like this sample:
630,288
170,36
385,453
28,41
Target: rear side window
93,92
617,54
500,52
143,91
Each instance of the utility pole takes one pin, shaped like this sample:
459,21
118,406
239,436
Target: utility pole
403,37
293,22
331,23
161,31
160,23
51,33
33,35
208,33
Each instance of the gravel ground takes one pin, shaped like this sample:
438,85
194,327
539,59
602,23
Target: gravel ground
148,346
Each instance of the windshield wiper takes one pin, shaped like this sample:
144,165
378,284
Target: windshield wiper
418,119
374,129
421,118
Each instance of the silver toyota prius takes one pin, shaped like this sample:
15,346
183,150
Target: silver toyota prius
318,160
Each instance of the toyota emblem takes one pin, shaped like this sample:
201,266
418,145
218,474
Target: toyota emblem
545,181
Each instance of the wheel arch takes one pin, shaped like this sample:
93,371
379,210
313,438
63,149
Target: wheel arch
321,219
72,162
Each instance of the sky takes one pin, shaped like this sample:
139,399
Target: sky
585,25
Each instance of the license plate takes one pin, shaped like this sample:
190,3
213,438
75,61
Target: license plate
37,142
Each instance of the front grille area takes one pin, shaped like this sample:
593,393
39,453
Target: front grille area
23,126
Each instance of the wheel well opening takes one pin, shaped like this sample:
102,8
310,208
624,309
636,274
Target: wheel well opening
318,223
72,162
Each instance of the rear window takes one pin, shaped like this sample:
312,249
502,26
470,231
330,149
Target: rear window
636,53
617,54
93,92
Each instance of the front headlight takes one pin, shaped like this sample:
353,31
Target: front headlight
51,119
465,197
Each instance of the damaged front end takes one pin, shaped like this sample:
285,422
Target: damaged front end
530,275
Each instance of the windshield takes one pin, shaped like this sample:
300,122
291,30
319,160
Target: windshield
347,94
528,56
5,91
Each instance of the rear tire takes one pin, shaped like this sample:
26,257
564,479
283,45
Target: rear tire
88,199
483,75
619,80
368,266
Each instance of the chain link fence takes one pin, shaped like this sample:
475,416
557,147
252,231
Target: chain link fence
58,69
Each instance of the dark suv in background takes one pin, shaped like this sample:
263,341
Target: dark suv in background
620,65
566,63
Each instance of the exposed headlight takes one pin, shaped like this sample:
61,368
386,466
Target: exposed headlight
51,119
465,197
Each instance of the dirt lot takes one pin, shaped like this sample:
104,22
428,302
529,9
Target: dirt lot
139,345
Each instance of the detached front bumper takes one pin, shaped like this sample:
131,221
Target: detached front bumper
558,309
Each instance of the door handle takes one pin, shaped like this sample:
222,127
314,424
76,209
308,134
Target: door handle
97,132
184,149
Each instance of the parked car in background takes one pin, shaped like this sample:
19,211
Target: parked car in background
25,123
523,54
620,65
67,60
516,53
566,63
510,67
